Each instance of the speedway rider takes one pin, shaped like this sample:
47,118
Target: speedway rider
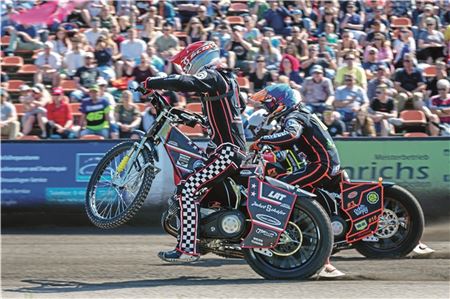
301,133
219,93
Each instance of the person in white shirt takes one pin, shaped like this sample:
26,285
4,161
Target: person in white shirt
74,59
48,63
93,34
131,50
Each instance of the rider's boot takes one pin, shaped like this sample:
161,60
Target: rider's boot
176,256
329,271
422,249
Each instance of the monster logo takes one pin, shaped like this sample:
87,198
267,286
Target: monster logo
373,198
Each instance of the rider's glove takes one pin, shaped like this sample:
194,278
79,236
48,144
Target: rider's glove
143,85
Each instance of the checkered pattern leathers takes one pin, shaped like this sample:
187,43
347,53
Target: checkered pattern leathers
221,163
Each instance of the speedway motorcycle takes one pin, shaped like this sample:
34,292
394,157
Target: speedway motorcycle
280,230
378,219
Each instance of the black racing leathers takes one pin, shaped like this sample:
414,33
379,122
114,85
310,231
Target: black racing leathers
310,135
219,93
220,98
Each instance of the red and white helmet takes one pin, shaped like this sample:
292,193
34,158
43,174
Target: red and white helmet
196,56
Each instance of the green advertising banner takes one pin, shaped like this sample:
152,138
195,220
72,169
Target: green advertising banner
421,166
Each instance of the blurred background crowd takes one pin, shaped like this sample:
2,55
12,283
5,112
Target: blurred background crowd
367,67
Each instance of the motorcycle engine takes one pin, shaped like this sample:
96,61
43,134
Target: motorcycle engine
339,227
223,224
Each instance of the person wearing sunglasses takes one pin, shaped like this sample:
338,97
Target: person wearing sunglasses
431,42
440,103
382,108
351,67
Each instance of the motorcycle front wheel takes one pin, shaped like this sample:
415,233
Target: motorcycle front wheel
400,227
303,248
114,195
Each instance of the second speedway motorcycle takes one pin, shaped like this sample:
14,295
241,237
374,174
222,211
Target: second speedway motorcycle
378,219
280,230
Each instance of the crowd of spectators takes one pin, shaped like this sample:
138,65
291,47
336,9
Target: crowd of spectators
357,64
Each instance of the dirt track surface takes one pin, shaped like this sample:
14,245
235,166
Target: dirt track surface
90,263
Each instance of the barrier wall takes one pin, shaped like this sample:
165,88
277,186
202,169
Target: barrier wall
54,174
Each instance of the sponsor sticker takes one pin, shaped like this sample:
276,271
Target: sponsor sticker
361,210
183,161
352,195
361,225
268,219
266,233
373,197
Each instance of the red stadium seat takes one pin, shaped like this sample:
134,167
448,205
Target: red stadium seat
68,85
28,69
19,109
430,71
12,63
14,85
243,83
413,117
400,22
28,137
416,134
235,20
92,137
238,8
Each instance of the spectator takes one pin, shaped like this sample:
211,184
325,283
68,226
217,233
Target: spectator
261,77
291,49
336,127
23,37
314,59
116,36
150,32
195,31
318,91
103,92
167,43
240,48
85,77
408,80
349,98
403,45
353,69
59,116
426,15
347,44
49,64
61,44
363,125
271,54
382,108
329,18
124,24
205,19
332,37
106,19
384,53
132,47
377,30
9,123
440,103
299,41
156,61
74,59
105,53
127,115
154,17
92,34
441,73
379,17
431,43
325,50
33,107
79,16
251,34
379,79
166,11
353,21
274,17
290,67
95,114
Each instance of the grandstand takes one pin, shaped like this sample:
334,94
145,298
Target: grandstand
368,67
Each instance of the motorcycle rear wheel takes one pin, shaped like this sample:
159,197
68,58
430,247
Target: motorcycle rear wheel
403,232
316,241
109,205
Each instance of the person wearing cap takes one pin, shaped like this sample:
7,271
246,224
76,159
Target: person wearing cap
59,116
349,98
317,90
9,124
351,67
85,77
96,114
49,64
428,12
380,77
34,111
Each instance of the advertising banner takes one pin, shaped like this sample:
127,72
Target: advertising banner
57,172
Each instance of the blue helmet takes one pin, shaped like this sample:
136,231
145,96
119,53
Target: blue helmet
277,98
